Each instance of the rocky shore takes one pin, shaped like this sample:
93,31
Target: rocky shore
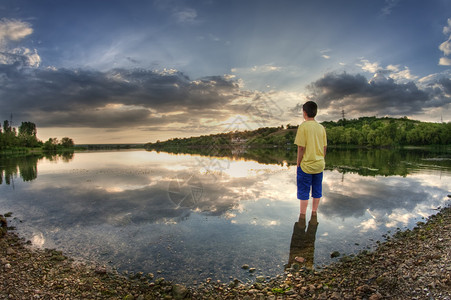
413,264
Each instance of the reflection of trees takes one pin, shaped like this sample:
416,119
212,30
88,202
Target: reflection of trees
26,166
368,162
365,162
65,156
386,162
261,155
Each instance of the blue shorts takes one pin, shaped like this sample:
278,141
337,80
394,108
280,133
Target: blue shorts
305,181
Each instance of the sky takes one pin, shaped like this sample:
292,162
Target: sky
138,71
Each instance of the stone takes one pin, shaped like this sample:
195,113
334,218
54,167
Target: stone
363,289
253,291
3,222
322,296
179,291
100,270
245,267
258,286
375,296
334,254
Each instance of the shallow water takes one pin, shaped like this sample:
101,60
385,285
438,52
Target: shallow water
187,217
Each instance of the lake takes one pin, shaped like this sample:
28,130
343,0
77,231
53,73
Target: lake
188,217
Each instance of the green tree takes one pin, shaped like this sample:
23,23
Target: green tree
27,135
67,142
6,126
9,135
27,128
51,144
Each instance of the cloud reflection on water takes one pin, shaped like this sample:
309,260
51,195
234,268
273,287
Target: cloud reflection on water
102,195
120,204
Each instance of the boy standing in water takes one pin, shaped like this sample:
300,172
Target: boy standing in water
312,143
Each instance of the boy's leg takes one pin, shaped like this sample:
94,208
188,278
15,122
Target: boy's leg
317,190
304,204
315,204
304,182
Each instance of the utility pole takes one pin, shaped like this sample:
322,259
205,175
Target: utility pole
343,114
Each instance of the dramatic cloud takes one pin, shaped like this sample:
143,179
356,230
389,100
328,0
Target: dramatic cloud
14,31
117,98
393,71
445,61
445,47
446,84
381,95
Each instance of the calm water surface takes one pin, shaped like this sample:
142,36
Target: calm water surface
187,217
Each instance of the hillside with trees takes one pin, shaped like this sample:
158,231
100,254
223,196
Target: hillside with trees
387,132
25,137
363,132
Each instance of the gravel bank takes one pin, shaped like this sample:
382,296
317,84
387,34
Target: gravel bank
413,264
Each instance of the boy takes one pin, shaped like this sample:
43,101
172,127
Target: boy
312,143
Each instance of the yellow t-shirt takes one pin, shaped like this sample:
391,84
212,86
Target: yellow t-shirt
312,136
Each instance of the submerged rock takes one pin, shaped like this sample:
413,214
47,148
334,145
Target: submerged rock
3,222
3,225
335,254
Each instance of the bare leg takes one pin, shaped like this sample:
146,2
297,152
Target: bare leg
304,204
315,204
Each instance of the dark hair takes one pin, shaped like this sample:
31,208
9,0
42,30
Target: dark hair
310,108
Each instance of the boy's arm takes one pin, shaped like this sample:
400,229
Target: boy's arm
325,148
301,151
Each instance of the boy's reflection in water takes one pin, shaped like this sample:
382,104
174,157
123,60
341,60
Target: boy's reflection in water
302,247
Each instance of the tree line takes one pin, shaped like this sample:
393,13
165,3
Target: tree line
364,131
386,132
25,137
